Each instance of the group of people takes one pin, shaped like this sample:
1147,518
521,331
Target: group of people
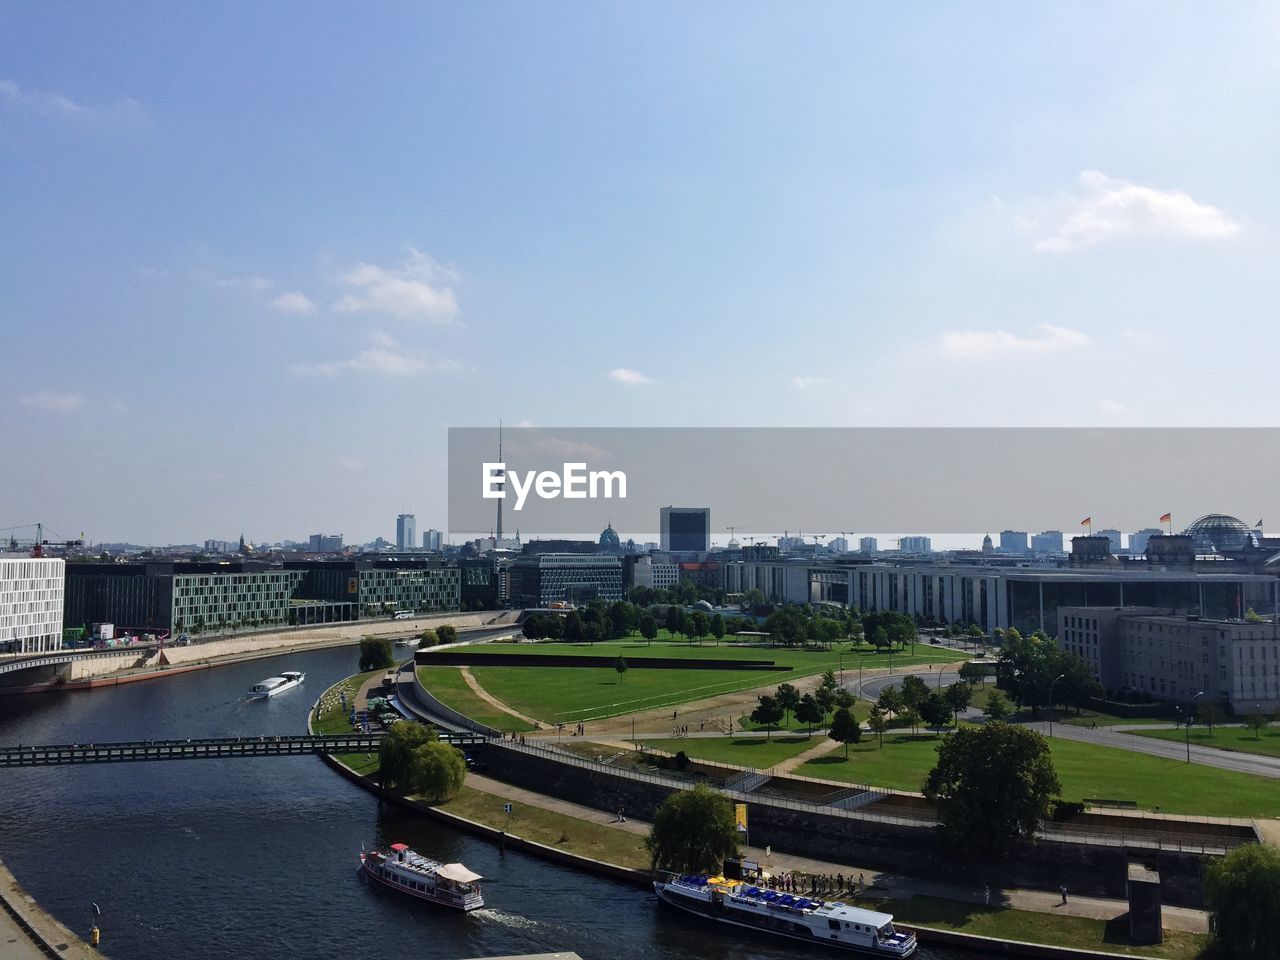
818,884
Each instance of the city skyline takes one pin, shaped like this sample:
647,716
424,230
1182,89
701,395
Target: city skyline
223,254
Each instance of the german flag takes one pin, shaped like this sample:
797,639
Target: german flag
1166,518
1087,521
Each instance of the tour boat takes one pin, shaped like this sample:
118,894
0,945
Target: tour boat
273,685
800,918
448,884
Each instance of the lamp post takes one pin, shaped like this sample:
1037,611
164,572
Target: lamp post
1191,706
1051,683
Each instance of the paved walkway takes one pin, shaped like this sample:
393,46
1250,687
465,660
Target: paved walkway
880,884
493,701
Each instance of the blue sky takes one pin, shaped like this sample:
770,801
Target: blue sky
256,258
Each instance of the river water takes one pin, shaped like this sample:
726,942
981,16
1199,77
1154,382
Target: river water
213,859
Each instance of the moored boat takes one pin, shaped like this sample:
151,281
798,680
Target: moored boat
448,884
274,685
814,921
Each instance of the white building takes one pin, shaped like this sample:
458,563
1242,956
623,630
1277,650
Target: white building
655,574
915,545
868,545
1138,540
1046,542
838,545
1113,536
31,604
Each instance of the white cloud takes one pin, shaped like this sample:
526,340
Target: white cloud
1111,209
256,284
294,302
416,289
990,344
810,383
47,104
384,357
52,400
1107,405
632,378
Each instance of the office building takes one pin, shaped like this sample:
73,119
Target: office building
542,579
1177,657
1113,536
406,532
1138,540
654,574
1047,542
432,540
868,545
1013,541
325,543
837,545
685,529
915,545
220,546
31,604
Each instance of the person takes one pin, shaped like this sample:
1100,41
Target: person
862,885
1063,890
986,894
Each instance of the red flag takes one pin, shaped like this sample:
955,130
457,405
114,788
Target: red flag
1166,517
1086,521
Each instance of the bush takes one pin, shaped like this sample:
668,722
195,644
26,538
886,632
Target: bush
1065,810
680,761
375,653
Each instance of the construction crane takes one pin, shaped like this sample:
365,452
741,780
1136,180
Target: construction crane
38,545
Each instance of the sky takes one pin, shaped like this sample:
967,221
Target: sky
256,259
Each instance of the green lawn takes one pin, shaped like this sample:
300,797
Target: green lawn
568,694
1086,770
753,751
1224,738
332,718
448,686
1080,932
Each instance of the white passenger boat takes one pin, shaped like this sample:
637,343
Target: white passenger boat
274,685
800,918
448,884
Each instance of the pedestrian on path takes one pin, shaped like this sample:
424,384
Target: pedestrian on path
1063,890
862,885
986,894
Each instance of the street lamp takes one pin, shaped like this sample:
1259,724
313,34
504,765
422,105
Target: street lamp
1051,683
1191,706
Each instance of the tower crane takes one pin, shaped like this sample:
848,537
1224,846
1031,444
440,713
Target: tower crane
37,546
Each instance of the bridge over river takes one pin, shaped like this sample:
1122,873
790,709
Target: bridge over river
208,748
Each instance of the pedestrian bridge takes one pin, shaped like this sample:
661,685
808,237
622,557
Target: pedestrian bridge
217,748
30,661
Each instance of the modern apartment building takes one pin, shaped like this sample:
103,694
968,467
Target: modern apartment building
31,597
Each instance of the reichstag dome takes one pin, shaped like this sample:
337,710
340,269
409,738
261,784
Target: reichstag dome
1218,533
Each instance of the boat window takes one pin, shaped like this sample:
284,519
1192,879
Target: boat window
833,924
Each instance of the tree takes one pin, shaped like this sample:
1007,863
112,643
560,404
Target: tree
375,653
935,710
845,729
810,711
1243,890
766,714
880,638
447,633
992,784
1257,722
436,770
717,628
396,751
788,698
675,620
878,721
1208,715
694,831
700,624
973,672
648,627
575,631
844,700
890,700
621,667
914,690
428,638
997,707
622,619
959,696
826,693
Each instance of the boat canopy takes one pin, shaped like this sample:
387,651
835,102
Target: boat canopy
457,873
399,847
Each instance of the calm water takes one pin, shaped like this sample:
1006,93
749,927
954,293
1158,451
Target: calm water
219,859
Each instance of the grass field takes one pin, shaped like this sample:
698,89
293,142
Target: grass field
1079,932
566,695
1085,770
332,718
448,686
753,751
1223,738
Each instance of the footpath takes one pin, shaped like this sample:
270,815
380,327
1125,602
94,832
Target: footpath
28,933
879,884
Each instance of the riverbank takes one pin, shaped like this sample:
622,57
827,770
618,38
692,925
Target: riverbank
27,932
585,839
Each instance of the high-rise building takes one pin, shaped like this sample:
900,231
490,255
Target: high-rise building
1013,541
1046,542
868,545
325,543
915,545
839,545
31,601
1138,540
431,540
1113,536
686,529
406,532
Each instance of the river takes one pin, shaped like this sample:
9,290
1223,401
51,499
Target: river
213,859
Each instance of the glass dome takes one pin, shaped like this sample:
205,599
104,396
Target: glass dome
1218,533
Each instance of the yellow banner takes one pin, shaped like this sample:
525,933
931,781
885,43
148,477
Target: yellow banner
740,815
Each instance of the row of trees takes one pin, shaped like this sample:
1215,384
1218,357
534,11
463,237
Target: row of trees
811,708
615,621
912,702
1038,673
437,636
682,593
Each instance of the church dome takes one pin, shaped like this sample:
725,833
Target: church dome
610,541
